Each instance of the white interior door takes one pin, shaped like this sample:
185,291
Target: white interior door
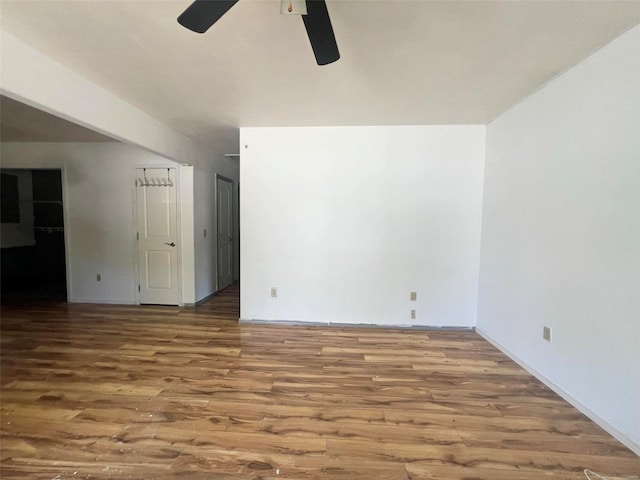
157,235
224,196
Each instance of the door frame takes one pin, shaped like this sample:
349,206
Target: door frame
233,226
136,249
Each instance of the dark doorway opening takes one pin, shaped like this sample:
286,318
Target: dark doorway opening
33,247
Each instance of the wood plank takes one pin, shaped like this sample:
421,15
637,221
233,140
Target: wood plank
148,392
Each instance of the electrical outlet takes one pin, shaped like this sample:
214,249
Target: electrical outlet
274,292
98,277
546,333
413,314
205,233
413,296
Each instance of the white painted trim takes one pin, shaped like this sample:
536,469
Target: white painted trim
302,323
178,171
604,424
215,229
136,233
103,301
187,242
66,232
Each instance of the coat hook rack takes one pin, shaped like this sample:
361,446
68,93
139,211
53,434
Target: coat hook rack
145,181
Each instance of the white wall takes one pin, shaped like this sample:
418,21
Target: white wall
20,234
99,195
33,78
561,235
346,221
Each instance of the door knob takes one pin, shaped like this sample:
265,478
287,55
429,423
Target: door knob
172,244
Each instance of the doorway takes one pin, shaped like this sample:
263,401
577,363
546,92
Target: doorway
32,234
157,236
225,239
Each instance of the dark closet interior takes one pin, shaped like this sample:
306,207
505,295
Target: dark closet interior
36,271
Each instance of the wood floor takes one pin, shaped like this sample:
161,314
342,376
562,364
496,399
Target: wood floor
186,393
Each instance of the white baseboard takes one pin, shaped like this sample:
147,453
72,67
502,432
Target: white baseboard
604,424
302,323
101,300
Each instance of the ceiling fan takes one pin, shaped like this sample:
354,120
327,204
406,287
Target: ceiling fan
202,14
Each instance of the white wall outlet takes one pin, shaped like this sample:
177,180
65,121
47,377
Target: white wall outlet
98,277
413,296
274,292
546,333
413,314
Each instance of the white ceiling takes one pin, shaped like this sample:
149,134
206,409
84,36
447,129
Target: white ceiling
403,62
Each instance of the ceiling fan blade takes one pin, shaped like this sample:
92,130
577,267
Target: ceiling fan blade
201,14
320,32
